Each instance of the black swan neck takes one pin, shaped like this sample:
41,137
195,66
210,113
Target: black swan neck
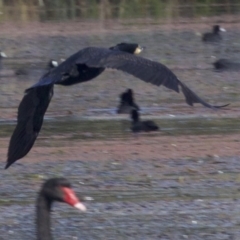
43,218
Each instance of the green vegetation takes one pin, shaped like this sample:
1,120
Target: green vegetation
87,130
49,10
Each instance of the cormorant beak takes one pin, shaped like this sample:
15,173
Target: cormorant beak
222,29
139,49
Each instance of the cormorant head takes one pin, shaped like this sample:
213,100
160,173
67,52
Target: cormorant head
130,92
217,29
129,96
132,48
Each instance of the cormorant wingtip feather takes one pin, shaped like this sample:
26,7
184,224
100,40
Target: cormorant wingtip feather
222,106
8,165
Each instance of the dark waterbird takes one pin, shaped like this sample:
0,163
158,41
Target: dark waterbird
226,65
127,102
23,71
83,66
213,36
142,126
55,189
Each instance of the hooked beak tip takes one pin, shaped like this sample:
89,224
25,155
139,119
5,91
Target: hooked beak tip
80,206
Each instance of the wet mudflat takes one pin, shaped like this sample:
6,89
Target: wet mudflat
180,183
134,199
155,186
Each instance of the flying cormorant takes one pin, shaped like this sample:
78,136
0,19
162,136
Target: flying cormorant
83,66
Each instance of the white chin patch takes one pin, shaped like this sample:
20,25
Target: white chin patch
55,63
222,29
3,54
80,206
138,50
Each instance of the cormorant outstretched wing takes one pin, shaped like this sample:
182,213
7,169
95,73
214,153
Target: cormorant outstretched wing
29,122
145,69
83,66
69,73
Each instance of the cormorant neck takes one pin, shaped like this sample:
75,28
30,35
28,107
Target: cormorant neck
135,119
43,218
130,101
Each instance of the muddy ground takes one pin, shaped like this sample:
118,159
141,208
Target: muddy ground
180,183
153,187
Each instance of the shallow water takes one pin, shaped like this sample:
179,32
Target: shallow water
93,128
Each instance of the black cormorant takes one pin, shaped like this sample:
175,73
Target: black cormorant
225,65
23,71
142,126
213,36
83,66
127,102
